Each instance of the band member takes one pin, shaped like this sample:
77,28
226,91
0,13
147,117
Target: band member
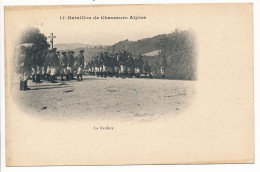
138,65
116,65
63,66
25,66
34,65
122,62
70,65
54,64
96,64
146,68
48,66
163,64
80,65
130,66
100,64
106,65
40,65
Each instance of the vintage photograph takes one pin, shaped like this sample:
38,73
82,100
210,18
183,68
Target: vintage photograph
129,79
129,84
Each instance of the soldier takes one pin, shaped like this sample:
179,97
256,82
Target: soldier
130,66
146,68
122,62
100,64
138,65
25,65
163,64
70,64
34,65
40,65
80,65
54,64
111,65
63,66
48,66
96,64
116,64
105,65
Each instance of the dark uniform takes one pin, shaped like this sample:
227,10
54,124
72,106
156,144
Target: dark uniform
147,68
70,65
80,65
116,65
130,65
25,66
54,64
122,62
163,64
138,65
63,66
40,66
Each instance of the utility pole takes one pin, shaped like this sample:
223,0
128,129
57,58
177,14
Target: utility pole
51,39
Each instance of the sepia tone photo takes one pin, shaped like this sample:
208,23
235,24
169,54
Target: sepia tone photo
129,84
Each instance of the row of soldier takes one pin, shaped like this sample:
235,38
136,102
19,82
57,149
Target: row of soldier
45,65
120,64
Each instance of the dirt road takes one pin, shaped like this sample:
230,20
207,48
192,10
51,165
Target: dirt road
127,99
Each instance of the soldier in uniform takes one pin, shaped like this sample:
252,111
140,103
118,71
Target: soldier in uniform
40,65
100,64
63,66
54,64
105,65
111,65
48,66
163,64
116,64
130,66
80,65
146,68
122,62
138,65
34,65
70,64
25,66
96,64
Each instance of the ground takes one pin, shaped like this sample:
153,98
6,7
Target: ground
140,99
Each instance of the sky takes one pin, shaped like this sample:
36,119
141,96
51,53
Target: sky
104,31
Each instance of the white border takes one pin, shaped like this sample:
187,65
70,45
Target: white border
201,168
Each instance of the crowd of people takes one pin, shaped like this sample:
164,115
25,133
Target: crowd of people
48,64
120,64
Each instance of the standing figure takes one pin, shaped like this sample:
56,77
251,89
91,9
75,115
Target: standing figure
48,66
70,64
80,65
34,65
163,64
138,65
116,65
122,62
25,66
130,66
106,65
54,64
146,68
40,65
63,66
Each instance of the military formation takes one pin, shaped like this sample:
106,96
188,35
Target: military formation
47,65
121,64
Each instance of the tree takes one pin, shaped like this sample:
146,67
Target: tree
33,35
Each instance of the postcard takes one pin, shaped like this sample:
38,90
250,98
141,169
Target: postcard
129,84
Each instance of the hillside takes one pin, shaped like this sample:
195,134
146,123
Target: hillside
178,49
73,46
